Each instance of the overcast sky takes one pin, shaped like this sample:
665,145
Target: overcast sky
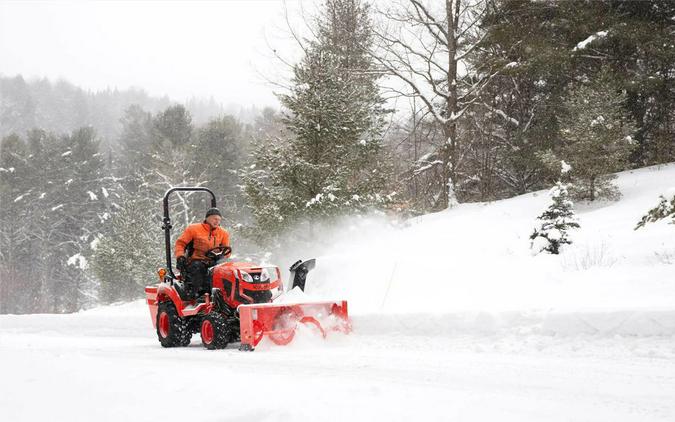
181,49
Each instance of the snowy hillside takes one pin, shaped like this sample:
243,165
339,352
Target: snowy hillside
454,320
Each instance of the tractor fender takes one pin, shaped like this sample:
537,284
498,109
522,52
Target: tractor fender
166,292
151,300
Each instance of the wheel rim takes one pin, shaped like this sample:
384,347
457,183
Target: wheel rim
207,331
164,324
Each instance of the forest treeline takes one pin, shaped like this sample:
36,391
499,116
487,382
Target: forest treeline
494,98
61,107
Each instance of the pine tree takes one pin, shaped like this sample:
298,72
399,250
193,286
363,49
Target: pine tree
41,204
135,145
72,217
333,162
597,138
540,48
14,236
172,128
124,258
173,163
53,213
556,221
217,156
665,209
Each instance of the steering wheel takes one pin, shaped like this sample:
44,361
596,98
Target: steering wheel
218,252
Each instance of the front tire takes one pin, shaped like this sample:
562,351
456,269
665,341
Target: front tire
215,331
172,330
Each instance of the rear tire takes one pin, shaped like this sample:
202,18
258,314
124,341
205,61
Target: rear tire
215,331
172,330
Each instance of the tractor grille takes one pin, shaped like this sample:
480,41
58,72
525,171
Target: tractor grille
259,296
256,277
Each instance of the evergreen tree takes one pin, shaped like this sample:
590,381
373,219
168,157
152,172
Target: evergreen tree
218,154
47,176
172,128
124,258
640,53
14,236
556,221
542,49
50,215
333,162
597,138
158,154
136,143
17,107
665,209
82,207
173,163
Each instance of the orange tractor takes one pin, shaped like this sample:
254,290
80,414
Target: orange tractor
241,306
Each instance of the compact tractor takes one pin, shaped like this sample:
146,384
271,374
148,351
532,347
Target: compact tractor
241,305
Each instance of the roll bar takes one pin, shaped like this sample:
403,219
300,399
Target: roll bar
166,223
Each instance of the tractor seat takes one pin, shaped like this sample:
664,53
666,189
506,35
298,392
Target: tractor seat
180,289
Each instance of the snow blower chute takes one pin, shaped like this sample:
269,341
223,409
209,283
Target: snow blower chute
241,306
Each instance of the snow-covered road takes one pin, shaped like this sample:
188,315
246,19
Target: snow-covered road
106,365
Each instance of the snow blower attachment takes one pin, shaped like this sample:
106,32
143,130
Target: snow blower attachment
241,306
279,322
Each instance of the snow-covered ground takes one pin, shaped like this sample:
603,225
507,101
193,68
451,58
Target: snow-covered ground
453,319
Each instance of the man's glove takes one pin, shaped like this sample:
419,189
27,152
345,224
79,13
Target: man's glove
181,262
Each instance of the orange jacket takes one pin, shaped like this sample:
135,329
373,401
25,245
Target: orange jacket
203,238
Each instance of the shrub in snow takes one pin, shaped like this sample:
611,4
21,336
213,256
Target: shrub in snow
556,220
587,256
664,209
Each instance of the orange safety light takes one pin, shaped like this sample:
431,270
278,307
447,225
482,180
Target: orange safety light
161,273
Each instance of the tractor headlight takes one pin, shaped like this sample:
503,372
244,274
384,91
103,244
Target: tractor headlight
246,276
265,275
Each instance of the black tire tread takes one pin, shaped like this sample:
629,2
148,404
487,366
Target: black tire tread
179,335
221,331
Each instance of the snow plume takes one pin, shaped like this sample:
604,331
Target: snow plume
335,243
475,256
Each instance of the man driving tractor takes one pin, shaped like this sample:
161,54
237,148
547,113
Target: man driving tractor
192,247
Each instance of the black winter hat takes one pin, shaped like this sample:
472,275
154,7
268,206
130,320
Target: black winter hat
213,211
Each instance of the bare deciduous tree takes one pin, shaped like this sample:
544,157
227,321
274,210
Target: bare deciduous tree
425,47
